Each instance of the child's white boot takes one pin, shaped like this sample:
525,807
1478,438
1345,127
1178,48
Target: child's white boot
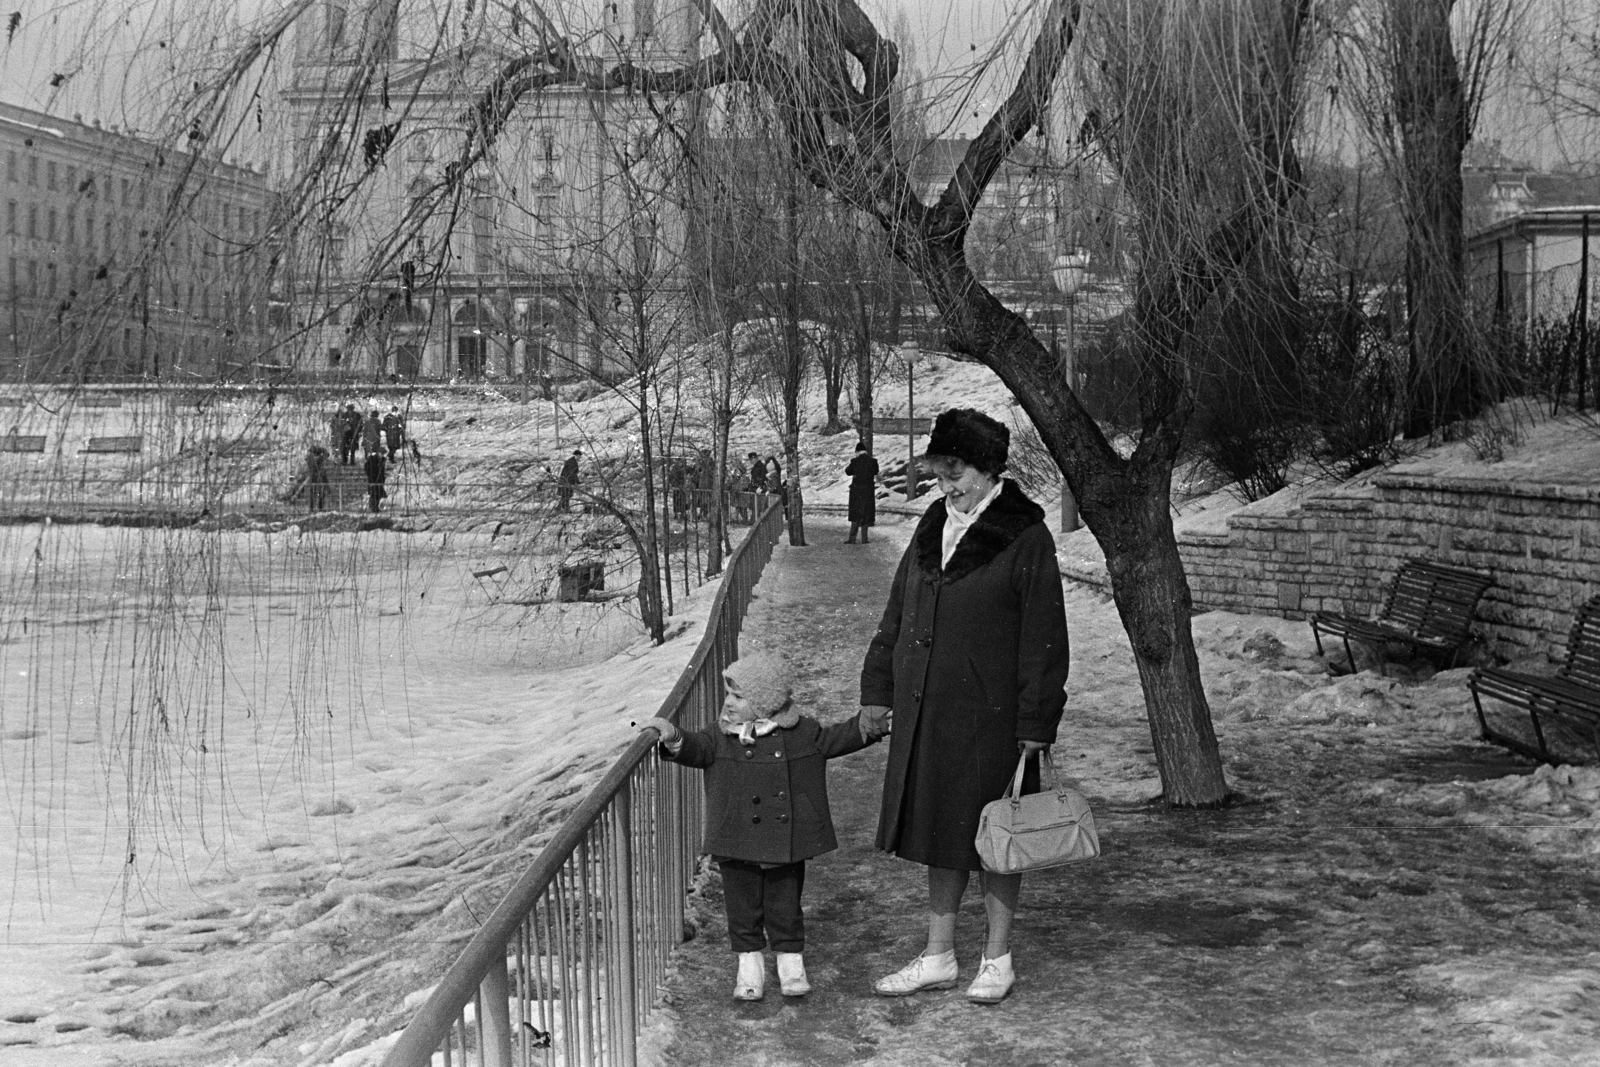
792,978
752,981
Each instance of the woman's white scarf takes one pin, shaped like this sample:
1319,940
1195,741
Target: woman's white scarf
957,523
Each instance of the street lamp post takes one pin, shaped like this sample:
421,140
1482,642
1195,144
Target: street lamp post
1070,270
909,351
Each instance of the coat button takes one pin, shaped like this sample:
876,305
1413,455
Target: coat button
755,800
778,754
755,818
783,818
748,754
782,795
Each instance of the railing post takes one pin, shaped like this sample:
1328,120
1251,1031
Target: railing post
495,998
626,992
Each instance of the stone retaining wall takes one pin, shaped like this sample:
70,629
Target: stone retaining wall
1338,552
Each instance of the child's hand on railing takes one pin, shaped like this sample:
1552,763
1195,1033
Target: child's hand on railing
664,729
875,721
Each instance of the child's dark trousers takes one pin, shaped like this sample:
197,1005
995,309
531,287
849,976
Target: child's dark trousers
764,905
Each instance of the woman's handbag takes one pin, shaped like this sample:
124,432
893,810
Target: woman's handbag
1029,833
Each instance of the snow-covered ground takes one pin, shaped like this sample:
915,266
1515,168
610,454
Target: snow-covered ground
375,749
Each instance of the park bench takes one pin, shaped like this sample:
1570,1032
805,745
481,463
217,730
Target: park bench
1429,609
1571,697
15,442
114,444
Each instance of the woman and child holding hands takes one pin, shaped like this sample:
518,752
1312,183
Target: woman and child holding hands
969,664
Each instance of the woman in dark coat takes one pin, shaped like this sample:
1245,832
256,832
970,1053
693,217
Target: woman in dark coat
863,510
971,656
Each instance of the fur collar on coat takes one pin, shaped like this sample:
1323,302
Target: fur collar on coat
1001,523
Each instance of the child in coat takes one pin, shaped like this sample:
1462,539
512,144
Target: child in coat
766,809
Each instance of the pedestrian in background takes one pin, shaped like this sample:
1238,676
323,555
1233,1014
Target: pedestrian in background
863,509
376,476
394,431
317,477
349,434
568,480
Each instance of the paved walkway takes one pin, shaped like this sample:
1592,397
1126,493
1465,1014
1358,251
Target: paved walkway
1306,926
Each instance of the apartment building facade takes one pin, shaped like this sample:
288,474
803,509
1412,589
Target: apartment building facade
125,259
511,266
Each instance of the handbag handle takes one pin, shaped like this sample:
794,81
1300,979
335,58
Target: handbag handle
1014,790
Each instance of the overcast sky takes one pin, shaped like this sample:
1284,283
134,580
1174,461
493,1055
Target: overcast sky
115,60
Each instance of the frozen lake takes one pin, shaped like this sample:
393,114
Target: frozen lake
181,711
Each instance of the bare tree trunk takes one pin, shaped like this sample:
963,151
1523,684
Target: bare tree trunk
1445,382
863,335
649,592
1127,506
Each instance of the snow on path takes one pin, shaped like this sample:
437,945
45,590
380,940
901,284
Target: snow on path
1340,914
348,873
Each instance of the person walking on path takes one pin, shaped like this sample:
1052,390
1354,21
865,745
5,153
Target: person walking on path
376,476
863,509
971,656
766,809
758,473
349,433
394,431
372,433
567,481
317,477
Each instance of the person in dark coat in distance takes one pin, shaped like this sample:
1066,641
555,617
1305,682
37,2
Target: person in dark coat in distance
372,433
766,808
567,481
317,477
758,473
776,484
971,656
394,431
863,509
376,474
349,434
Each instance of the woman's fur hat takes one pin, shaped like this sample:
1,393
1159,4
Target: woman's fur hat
764,679
972,437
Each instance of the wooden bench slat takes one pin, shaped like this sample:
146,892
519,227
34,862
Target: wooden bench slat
114,444
1573,695
1427,606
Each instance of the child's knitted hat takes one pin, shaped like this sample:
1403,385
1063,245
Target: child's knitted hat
764,679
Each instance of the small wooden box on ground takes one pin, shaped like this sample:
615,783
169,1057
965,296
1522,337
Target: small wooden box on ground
580,579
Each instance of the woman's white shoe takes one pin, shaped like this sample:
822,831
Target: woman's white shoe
752,981
994,981
792,980
924,972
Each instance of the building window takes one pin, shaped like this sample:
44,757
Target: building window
127,192
33,277
33,170
72,226
109,245
72,179
50,225
335,357
11,166
88,230
11,216
50,279
50,175
33,221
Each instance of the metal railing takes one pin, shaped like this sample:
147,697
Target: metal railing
566,968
